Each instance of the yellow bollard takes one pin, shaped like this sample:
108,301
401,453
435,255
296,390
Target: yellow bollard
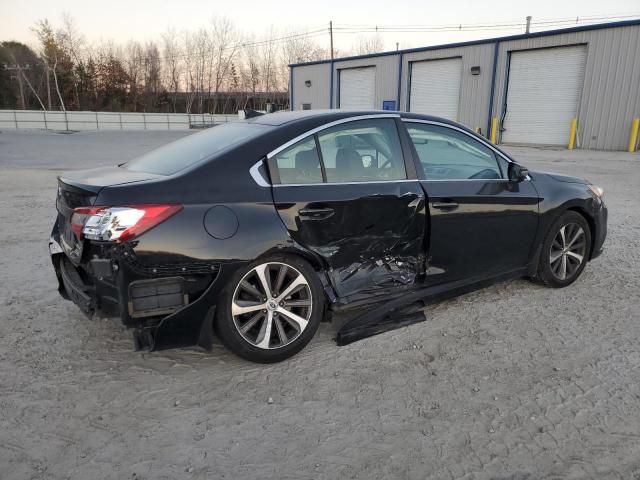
633,139
494,130
572,134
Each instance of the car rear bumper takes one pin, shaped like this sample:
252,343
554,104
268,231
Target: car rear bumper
166,304
75,289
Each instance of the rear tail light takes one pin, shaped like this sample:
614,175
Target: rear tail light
119,224
80,217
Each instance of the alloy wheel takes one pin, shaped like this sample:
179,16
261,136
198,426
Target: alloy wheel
272,305
567,251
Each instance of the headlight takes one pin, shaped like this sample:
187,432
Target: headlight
597,191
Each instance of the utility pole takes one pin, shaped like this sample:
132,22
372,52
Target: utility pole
331,36
528,24
397,46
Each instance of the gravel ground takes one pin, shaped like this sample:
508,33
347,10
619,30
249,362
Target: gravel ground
512,382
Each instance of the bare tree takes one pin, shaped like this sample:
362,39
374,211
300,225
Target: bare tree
224,46
213,68
268,56
152,74
297,49
173,64
202,59
249,71
195,45
51,52
301,48
133,58
369,44
73,43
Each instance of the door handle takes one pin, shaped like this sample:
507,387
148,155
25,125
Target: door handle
445,205
316,213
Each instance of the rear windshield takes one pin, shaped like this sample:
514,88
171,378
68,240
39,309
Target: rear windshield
195,148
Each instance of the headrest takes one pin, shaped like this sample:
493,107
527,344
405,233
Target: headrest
349,161
306,160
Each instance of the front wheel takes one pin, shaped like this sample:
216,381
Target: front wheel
565,250
270,309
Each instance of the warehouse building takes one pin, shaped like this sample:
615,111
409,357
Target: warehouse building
576,87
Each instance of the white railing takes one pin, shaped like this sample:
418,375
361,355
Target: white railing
83,121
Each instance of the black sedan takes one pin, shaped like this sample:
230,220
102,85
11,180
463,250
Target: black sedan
257,230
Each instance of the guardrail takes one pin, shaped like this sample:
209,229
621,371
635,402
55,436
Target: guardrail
84,121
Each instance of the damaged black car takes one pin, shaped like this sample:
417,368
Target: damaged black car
256,231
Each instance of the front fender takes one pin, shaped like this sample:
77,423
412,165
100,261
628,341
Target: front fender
558,197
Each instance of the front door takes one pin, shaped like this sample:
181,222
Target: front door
481,223
344,194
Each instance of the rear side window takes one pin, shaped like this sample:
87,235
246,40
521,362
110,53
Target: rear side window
447,154
361,151
195,148
299,163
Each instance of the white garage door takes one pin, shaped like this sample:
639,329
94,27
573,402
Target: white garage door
358,88
435,87
543,95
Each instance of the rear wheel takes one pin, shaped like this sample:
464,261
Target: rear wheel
565,250
271,309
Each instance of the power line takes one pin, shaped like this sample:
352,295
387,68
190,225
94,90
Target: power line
358,29
469,26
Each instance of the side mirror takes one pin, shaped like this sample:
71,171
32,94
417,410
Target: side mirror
517,173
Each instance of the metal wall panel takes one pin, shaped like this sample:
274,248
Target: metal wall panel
611,94
318,93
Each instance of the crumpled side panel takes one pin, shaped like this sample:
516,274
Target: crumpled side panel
370,236
376,267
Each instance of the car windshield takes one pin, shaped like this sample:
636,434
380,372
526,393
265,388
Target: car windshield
194,149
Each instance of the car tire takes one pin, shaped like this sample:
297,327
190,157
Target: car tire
565,250
290,314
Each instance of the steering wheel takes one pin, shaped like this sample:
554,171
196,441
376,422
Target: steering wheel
487,173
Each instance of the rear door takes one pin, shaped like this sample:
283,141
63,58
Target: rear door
345,193
481,224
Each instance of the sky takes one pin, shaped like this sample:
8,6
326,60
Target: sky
123,20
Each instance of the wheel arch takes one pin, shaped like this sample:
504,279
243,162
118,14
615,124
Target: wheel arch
315,261
590,221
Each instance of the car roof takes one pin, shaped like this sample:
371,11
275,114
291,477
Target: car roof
302,116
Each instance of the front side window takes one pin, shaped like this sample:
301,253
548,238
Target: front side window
299,163
447,154
361,151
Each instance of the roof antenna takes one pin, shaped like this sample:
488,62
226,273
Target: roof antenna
528,24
